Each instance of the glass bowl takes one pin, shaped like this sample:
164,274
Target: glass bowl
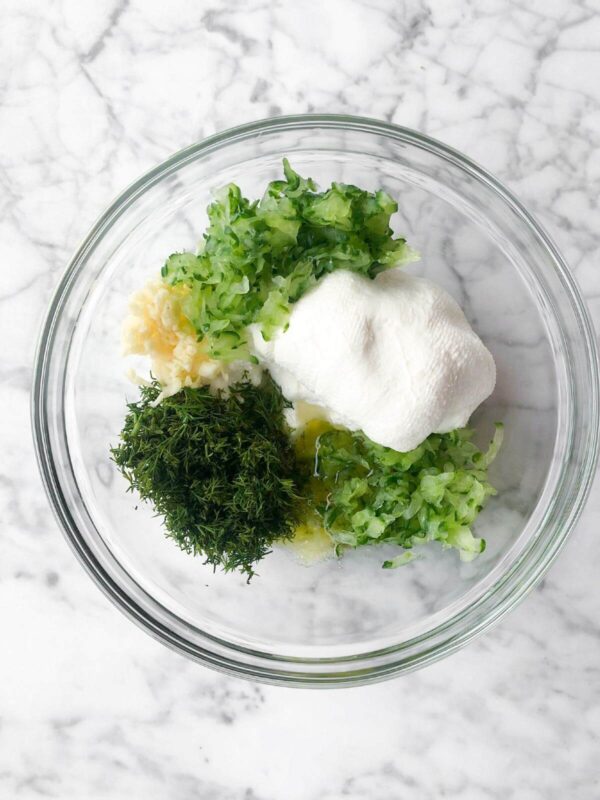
347,621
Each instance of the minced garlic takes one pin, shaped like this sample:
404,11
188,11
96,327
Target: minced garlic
157,328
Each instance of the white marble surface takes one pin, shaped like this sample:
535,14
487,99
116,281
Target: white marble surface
94,93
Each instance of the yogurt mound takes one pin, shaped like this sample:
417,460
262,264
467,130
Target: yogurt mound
394,357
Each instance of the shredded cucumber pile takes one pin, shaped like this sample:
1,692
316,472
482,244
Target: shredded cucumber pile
365,493
260,257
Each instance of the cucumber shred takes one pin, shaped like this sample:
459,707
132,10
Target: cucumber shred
365,493
259,257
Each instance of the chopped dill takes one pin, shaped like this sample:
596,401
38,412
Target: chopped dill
219,470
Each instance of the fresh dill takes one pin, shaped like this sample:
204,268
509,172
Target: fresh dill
219,470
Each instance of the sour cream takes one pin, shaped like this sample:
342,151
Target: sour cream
394,357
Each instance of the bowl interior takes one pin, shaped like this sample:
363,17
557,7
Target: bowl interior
337,607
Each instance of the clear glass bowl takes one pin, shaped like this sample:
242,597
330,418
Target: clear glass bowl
348,621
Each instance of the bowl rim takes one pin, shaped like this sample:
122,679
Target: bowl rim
316,672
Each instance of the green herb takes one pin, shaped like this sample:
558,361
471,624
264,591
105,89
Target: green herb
219,470
366,493
259,257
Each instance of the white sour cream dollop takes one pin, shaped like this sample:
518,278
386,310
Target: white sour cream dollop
394,357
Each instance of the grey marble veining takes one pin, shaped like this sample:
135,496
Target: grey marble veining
91,95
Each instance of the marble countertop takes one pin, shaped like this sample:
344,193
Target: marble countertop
93,94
